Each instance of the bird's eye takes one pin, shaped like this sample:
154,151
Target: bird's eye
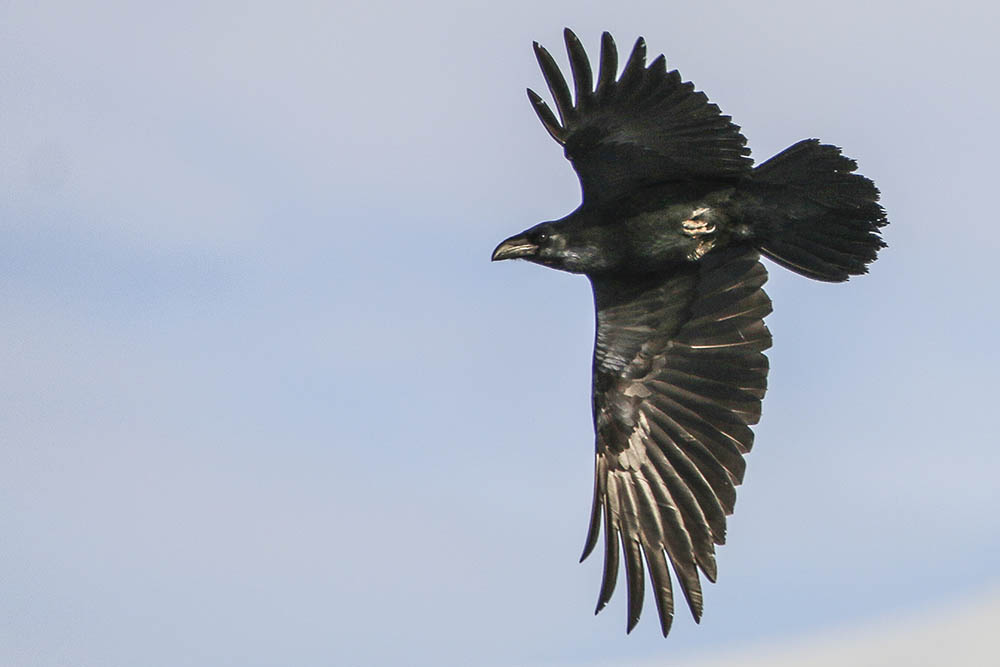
541,238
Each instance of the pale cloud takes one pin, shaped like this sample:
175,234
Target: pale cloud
961,632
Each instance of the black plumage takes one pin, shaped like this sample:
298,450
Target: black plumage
673,221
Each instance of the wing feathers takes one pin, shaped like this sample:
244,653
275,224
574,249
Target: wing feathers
712,471
648,119
555,81
600,480
609,65
673,490
632,75
674,465
635,575
700,388
546,116
704,418
583,77
665,528
679,374
664,594
610,577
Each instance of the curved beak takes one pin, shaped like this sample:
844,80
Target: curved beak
514,248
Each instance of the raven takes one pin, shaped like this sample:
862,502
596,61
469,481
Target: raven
670,232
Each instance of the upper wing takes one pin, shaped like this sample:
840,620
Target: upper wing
645,127
679,375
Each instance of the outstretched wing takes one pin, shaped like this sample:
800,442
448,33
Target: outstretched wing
679,374
645,127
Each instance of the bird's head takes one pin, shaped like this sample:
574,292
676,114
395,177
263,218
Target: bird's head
555,245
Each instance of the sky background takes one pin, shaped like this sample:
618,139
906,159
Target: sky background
267,402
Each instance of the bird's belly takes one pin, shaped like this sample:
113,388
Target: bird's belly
677,234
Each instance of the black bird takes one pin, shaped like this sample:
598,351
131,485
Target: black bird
670,232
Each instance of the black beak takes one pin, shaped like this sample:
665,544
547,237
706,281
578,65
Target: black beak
514,248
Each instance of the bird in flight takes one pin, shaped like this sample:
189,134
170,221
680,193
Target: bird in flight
670,232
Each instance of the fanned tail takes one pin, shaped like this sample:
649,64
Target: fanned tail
823,219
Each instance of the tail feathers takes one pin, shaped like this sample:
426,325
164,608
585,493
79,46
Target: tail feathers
827,220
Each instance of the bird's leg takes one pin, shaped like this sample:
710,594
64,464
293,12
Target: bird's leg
696,226
699,227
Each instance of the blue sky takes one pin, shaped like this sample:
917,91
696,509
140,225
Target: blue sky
268,402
